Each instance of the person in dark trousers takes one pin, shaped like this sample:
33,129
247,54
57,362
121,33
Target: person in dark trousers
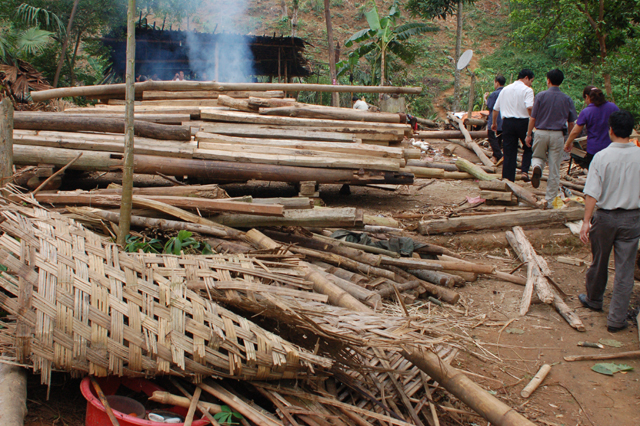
613,185
514,104
552,111
495,138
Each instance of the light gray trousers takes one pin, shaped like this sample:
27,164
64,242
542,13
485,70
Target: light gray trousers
547,147
620,230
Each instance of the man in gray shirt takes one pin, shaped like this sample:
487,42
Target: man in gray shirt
613,184
552,110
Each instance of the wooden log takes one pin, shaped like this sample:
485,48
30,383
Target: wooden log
468,167
155,95
192,111
442,293
493,185
438,277
437,265
118,89
211,114
426,122
387,290
239,104
324,245
428,248
321,285
449,134
496,195
176,119
448,167
536,381
470,143
204,169
568,314
490,408
202,204
6,140
334,114
347,217
271,103
368,297
601,357
342,273
211,191
70,123
450,149
328,160
493,221
474,122
365,248
214,130
13,381
523,194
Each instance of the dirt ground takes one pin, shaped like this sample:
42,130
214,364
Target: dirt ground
571,395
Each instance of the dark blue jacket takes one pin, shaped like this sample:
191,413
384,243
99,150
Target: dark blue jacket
491,102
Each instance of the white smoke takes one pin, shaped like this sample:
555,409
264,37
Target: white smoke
229,58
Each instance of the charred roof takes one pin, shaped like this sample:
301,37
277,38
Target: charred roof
163,53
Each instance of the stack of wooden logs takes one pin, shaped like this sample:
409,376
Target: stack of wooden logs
248,134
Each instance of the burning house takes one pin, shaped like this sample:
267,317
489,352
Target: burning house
161,54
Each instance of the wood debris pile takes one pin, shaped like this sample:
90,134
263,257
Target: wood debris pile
80,304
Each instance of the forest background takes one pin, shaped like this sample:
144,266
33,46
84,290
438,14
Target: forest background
593,41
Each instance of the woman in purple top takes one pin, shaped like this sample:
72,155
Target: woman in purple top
596,117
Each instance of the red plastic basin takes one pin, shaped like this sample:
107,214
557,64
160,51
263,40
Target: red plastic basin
96,415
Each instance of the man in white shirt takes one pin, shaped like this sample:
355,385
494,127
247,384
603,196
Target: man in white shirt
514,104
359,104
613,184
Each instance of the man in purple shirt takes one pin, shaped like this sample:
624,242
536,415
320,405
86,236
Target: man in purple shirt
552,109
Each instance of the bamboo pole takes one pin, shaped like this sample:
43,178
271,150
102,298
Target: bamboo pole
6,140
536,381
177,86
127,171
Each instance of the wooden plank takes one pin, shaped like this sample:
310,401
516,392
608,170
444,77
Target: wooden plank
571,261
203,204
371,163
493,185
208,140
333,114
523,218
155,95
243,117
347,217
274,133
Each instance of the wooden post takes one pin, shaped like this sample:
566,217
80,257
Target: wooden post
471,96
127,171
13,404
6,140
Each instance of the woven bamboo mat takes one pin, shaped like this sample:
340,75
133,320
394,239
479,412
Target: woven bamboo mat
84,306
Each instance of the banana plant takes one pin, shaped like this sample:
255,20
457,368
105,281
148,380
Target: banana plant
381,37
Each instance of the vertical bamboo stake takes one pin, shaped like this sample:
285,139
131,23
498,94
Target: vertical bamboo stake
127,171
456,84
6,140
471,96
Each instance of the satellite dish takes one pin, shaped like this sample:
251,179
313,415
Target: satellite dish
464,60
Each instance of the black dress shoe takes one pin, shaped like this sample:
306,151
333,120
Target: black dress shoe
535,177
612,329
583,299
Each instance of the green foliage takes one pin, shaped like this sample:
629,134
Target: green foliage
135,243
185,241
382,37
434,8
227,415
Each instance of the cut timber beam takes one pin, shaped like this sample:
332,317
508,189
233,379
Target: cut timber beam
118,89
212,171
518,218
334,114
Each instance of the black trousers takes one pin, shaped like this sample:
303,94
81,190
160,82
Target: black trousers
495,140
514,130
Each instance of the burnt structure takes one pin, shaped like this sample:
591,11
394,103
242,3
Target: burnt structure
163,53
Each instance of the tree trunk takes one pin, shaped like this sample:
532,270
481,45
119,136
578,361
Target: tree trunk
335,98
65,43
127,171
72,81
383,64
294,18
456,84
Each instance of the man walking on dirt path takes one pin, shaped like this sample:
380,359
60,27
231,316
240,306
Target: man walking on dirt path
495,138
552,110
613,184
514,104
